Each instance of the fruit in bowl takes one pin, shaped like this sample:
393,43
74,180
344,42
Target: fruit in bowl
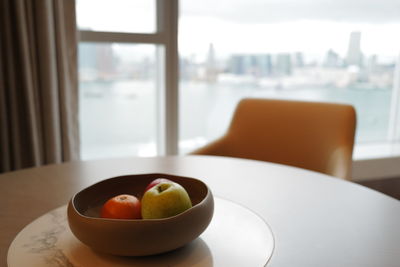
166,199
156,182
162,198
122,207
136,237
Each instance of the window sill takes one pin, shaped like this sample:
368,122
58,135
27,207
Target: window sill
376,150
374,161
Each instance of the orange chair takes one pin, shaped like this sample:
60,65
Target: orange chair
310,135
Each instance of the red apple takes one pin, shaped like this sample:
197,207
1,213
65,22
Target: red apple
156,182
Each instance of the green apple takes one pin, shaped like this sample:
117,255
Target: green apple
164,200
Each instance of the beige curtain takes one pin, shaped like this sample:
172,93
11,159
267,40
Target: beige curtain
38,83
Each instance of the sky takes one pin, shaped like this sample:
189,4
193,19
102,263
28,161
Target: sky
272,11
309,26
260,26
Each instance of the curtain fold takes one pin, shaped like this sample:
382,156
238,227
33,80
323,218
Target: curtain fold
38,83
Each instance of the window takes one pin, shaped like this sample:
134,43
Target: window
118,94
124,49
309,50
340,51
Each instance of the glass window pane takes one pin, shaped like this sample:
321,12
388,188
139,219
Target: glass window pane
117,100
135,16
312,50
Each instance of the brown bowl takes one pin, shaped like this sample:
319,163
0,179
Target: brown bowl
138,237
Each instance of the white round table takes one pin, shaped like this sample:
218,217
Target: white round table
317,220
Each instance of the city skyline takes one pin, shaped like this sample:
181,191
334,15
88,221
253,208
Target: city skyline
105,62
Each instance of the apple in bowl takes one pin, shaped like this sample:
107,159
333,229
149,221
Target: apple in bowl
156,182
165,199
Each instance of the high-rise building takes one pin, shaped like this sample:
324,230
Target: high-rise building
298,60
259,65
372,63
211,70
96,61
105,61
354,55
283,64
237,64
265,63
332,59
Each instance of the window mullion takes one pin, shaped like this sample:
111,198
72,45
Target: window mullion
121,37
167,25
394,125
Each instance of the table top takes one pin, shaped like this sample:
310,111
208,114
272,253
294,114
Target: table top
317,220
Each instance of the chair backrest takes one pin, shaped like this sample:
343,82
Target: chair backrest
311,135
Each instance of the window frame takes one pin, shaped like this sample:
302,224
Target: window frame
166,40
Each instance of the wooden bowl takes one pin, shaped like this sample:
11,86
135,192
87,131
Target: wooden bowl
138,237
